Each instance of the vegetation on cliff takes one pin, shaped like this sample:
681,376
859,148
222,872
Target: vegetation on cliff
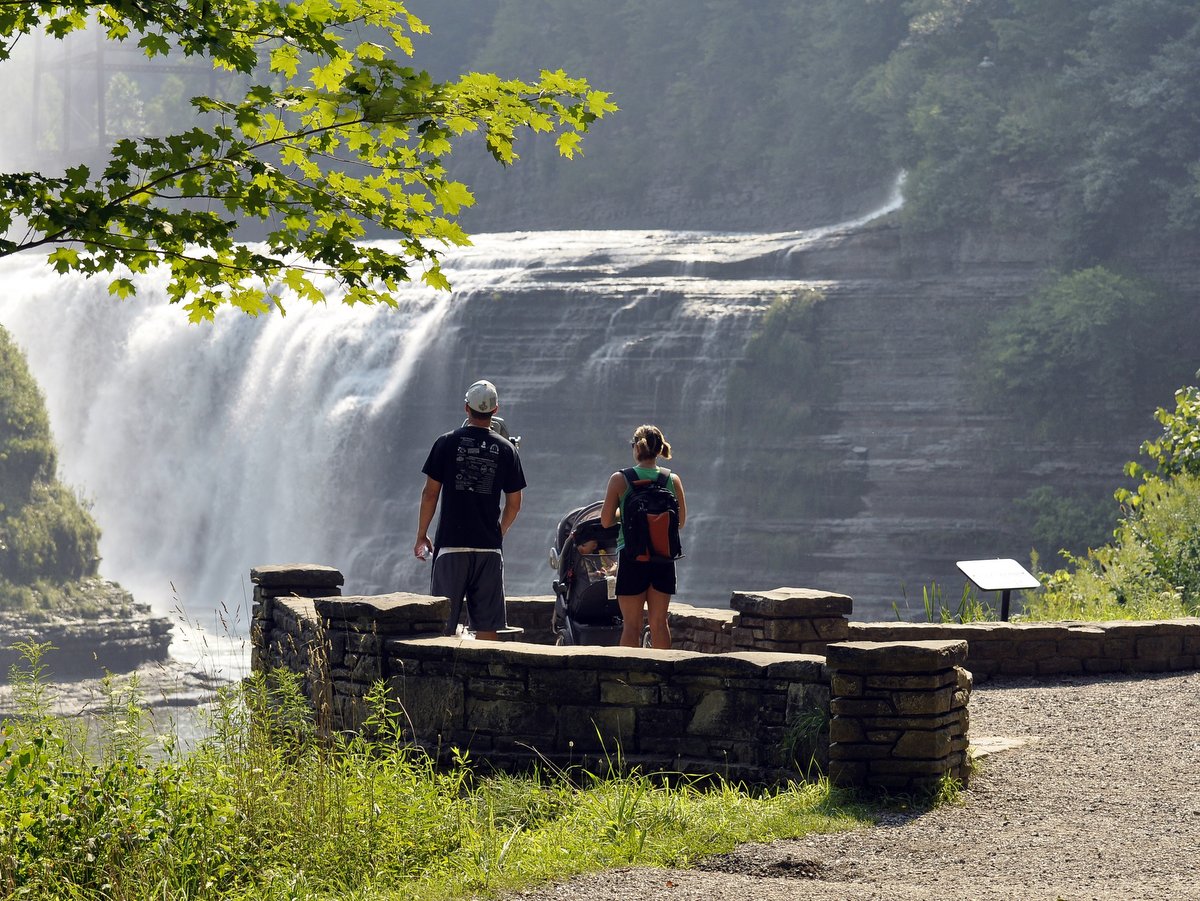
1079,118
1151,567
774,399
1087,347
1079,114
1080,359
48,538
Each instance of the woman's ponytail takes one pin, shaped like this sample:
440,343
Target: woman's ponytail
649,443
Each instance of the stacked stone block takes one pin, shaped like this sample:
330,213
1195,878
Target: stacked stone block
702,629
788,620
306,580
285,638
899,716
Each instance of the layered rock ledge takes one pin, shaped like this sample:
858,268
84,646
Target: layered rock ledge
115,634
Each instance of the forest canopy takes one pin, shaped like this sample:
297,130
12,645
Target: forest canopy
1079,118
1075,118
329,133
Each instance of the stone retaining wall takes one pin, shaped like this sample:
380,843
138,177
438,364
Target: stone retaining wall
662,711
1055,649
743,693
746,716
791,620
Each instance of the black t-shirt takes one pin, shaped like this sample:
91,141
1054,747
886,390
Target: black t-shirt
474,465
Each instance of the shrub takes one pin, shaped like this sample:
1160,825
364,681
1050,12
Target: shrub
27,452
266,808
53,537
1151,570
1072,523
1177,450
48,537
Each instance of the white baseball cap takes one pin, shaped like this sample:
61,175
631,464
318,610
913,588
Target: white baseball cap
482,397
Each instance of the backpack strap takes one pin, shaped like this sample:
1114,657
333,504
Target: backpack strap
631,476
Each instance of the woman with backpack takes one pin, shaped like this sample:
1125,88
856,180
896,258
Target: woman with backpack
648,502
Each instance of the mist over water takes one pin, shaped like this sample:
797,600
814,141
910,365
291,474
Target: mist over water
203,447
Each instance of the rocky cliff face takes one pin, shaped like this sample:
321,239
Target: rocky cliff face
831,444
892,475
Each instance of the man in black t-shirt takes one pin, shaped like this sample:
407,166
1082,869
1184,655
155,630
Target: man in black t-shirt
468,470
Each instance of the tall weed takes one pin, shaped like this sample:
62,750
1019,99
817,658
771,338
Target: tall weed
271,807
969,609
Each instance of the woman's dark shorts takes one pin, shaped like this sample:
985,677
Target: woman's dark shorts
635,576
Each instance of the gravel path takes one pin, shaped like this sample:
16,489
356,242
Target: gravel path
1098,797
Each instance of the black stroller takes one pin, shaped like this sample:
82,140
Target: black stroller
585,601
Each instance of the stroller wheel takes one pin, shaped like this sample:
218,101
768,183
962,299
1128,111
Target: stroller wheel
646,643
560,640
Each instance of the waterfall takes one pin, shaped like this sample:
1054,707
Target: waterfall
208,449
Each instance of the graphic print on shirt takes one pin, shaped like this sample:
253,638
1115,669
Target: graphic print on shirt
477,461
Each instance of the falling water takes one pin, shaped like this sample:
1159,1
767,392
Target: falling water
208,449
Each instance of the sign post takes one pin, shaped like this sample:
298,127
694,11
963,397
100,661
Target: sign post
998,574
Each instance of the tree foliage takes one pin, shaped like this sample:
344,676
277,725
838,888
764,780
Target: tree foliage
1058,522
732,115
1174,453
1084,348
1150,570
1151,567
1075,116
46,533
27,452
1091,104
336,136
1078,117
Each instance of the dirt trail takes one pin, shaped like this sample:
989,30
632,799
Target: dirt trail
1096,796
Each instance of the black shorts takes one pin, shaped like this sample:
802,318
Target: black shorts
476,577
635,576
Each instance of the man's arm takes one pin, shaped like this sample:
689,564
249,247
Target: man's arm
512,506
429,501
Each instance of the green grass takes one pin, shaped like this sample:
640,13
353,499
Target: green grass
266,809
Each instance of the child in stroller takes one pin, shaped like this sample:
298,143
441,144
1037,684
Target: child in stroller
585,600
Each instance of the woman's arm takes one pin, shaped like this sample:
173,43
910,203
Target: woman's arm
612,500
679,497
